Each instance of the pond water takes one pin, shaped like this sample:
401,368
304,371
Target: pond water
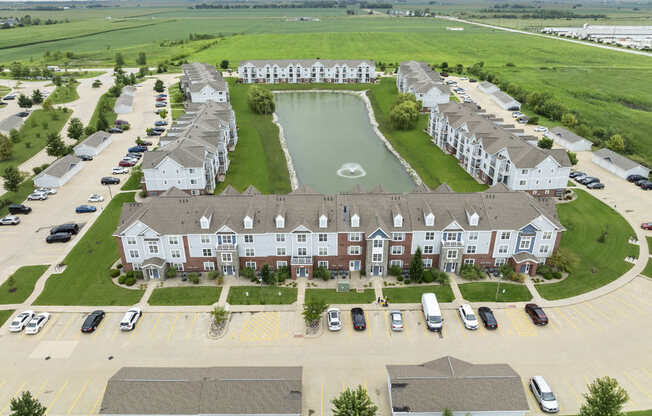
333,146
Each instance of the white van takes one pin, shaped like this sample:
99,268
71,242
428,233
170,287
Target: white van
431,311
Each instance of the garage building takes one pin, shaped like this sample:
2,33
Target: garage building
568,139
224,391
125,102
505,101
462,387
487,87
94,144
618,164
59,172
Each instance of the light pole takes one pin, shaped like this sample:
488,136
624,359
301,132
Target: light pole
498,287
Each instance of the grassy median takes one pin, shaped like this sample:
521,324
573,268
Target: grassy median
192,295
24,280
486,292
412,294
5,314
261,296
331,296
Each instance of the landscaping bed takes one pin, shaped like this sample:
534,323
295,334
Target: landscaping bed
261,296
64,94
24,280
332,296
486,292
193,295
412,294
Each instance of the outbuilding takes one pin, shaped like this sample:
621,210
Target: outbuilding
568,139
94,144
59,172
124,104
505,101
487,87
618,164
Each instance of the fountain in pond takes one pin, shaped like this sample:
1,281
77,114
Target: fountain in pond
351,171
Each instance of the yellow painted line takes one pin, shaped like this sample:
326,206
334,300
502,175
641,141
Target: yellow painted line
586,317
644,370
387,324
605,316
350,326
97,330
343,387
133,331
637,385
554,328
3,383
191,325
365,385
635,297
443,330
56,397
115,332
615,309
573,390
41,389
482,330
173,325
65,327
407,331
425,325
459,321
534,400
368,328
627,303
151,333
49,328
321,406
568,320
15,394
500,329
77,398
97,401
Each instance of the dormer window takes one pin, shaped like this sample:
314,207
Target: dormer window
473,219
355,220
204,223
323,221
280,221
429,219
248,222
398,220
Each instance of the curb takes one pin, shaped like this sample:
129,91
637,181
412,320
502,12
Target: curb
319,332
226,327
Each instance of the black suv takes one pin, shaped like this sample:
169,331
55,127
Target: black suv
634,178
71,228
58,238
19,209
357,317
108,180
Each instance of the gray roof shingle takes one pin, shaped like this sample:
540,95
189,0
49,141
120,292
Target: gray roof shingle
95,139
307,62
569,136
422,78
616,159
197,75
60,167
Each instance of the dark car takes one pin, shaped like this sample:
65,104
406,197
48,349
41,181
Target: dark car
640,182
134,155
23,114
145,143
119,123
9,97
126,163
70,228
588,180
109,180
85,208
159,129
92,321
576,174
646,186
58,238
161,123
595,185
2,103
115,130
357,317
536,313
473,80
161,96
86,158
137,149
634,178
487,317
153,133
19,209
161,104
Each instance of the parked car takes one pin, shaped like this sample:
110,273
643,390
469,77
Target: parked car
464,79
145,143
517,114
71,228
10,220
151,133
580,177
396,319
646,186
161,96
595,185
576,174
82,209
23,114
159,99
468,318
126,163
536,313
19,209
138,149
37,323
108,180
86,158
58,238
133,155
523,120
9,97
358,319
40,196
2,103
640,182
92,321
334,319
48,191
589,179
487,317
95,198
115,130
161,123
159,129
634,178
543,395
120,170
540,129
161,104
20,322
646,226
473,80
130,319
119,123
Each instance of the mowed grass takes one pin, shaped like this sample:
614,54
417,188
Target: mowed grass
109,101
86,279
25,188
412,294
600,263
133,183
64,94
25,279
265,296
195,295
333,297
486,292
5,314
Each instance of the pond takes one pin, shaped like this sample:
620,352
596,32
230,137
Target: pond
333,145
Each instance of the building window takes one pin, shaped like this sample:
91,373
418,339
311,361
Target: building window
525,243
398,263
248,238
209,265
250,252
134,254
178,266
397,250
131,240
323,238
473,236
205,239
427,263
398,236
137,267
227,257
378,243
354,250
355,221
302,251
451,236
192,170
153,247
323,222
469,261
280,238
193,181
207,252
322,263
523,171
377,257
173,240
502,249
451,254
251,265
280,251
194,192
547,235
505,235
248,223
544,249
323,251
471,249
355,236
500,261
175,254
521,183
428,249
430,236
280,264
301,238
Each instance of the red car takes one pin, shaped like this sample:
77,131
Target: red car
126,163
161,99
646,226
536,313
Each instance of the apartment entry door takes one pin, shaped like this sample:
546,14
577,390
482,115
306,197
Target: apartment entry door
302,272
354,265
377,270
451,267
153,274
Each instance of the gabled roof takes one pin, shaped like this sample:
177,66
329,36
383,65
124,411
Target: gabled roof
229,190
95,139
199,75
60,167
567,135
421,78
616,159
306,63
187,157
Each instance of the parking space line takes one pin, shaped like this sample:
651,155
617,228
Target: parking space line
568,320
534,400
321,406
615,309
77,398
368,328
41,389
173,325
65,327
387,324
425,325
343,387
133,331
49,328
459,320
573,390
97,331
637,385
627,303
115,332
644,370
98,400
407,331
624,292
15,394
482,330
443,330
586,317
602,314
3,383
521,323
191,325
151,333
56,397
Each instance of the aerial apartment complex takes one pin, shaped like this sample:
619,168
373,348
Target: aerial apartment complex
495,152
200,83
353,231
350,71
419,79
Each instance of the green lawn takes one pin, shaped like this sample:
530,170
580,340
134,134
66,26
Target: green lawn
266,296
648,269
331,296
26,188
86,279
600,263
5,314
34,133
4,90
64,94
412,294
25,279
109,101
193,295
649,244
486,292
133,183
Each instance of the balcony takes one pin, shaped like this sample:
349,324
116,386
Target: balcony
226,247
452,244
301,260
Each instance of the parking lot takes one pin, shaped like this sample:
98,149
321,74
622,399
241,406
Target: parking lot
68,369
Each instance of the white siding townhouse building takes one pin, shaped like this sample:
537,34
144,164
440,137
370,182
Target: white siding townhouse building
358,230
350,71
193,156
419,79
495,153
201,82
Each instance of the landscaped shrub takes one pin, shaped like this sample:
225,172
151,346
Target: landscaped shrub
547,275
556,275
114,272
472,272
247,272
506,270
142,194
213,274
130,281
122,279
321,272
395,270
543,269
170,272
440,277
518,277
118,266
192,277
428,277
399,278
408,281
138,275
129,273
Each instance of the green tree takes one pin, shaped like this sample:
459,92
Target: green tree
37,97
447,412
220,314
573,157
14,135
260,100
26,405
119,60
404,115
158,86
6,147
24,101
102,122
545,143
47,106
57,80
142,58
354,403
13,178
313,308
568,120
224,64
75,128
564,259
163,113
55,145
604,398
616,143
265,274
416,266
